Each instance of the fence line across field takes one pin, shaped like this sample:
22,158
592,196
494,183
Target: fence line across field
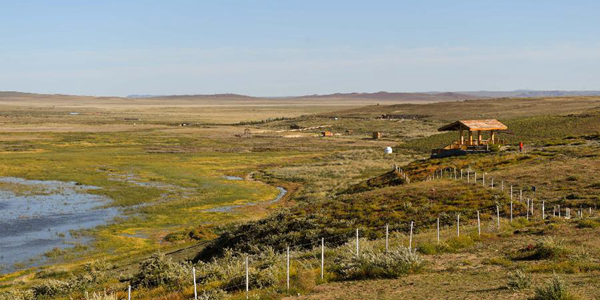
529,210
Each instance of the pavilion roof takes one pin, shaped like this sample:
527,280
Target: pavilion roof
474,125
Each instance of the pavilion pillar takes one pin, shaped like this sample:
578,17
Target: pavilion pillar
478,137
492,137
462,138
470,138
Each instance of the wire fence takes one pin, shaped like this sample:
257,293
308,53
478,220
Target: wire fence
499,214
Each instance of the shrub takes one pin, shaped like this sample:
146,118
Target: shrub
518,280
17,295
225,272
588,223
212,295
375,264
546,248
51,287
159,270
101,296
556,289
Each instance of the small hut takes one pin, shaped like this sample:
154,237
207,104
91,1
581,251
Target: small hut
471,144
377,135
326,133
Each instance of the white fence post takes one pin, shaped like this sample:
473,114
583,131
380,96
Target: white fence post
543,211
195,289
438,230
511,211
559,211
288,268
457,224
461,171
411,236
483,179
532,214
521,195
478,224
498,215
357,242
247,278
511,193
502,185
492,183
527,209
387,236
468,176
322,257
129,293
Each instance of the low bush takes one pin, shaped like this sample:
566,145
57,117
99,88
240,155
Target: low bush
227,272
518,280
546,248
556,289
17,295
159,270
588,223
215,294
51,287
371,263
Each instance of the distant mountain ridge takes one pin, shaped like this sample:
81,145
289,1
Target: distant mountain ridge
529,93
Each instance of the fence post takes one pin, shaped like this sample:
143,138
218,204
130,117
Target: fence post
511,211
543,211
247,278
554,211
438,230
458,224
475,177
483,179
478,224
521,195
559,211
195,290
288,268
411,235
532,209
498,215
322,257
492,183
129,292
461,174
502,185
387,236
511,193
356,241
468,176
527,209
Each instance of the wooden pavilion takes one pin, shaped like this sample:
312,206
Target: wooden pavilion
471,144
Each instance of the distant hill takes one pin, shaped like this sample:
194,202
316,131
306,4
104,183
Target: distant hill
385,96
529,93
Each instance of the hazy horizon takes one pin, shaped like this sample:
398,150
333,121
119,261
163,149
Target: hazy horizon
279,49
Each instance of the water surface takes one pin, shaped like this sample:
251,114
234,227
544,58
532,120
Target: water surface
36,216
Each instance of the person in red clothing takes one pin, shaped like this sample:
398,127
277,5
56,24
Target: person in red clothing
520,146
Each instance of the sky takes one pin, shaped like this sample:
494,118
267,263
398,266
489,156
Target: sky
286,48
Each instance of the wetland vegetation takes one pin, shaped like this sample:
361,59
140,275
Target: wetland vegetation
169,197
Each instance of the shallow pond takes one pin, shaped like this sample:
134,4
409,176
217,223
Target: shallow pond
36,217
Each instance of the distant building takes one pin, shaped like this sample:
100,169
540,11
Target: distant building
326,133
377,135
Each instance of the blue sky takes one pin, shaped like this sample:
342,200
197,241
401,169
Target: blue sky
279,48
